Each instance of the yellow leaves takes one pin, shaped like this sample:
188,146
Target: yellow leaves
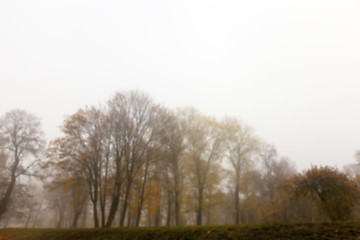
152,197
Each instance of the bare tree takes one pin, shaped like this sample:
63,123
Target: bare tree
133,119
22,142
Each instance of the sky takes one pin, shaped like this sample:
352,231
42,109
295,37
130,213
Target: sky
289,69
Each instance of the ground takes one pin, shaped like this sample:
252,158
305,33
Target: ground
265,231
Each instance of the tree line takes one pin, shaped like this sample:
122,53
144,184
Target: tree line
134,162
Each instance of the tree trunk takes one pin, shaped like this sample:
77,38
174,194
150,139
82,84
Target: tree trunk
75,220
123,212
95,215
237,209
177,201
177,211
158,215
29,217
37,216
102,211
4,202
61,218
78,208
169,208
93,197
115,200
200,207
115,197
142,195
84,218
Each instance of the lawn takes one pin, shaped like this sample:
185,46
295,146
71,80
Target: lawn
264,231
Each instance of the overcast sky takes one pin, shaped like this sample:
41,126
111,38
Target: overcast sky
290,69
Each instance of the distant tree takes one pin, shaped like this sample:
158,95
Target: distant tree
252,201
274,172
203,149
335,194
66,194
172,146
268,157
241,145
281,208
20,146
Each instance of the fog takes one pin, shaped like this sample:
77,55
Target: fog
288,70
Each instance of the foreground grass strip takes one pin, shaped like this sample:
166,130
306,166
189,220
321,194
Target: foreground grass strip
265,231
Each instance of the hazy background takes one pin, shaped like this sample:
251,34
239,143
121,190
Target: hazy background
290,69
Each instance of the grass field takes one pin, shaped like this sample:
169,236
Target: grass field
265,231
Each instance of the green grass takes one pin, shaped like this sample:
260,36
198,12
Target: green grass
255,231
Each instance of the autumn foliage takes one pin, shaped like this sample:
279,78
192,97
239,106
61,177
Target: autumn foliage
133,162
333,192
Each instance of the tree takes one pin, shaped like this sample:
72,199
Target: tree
21,145
65,191
79,157
277,175
110,149
335,194
241,144
203,148
275,171
172,147
134,122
